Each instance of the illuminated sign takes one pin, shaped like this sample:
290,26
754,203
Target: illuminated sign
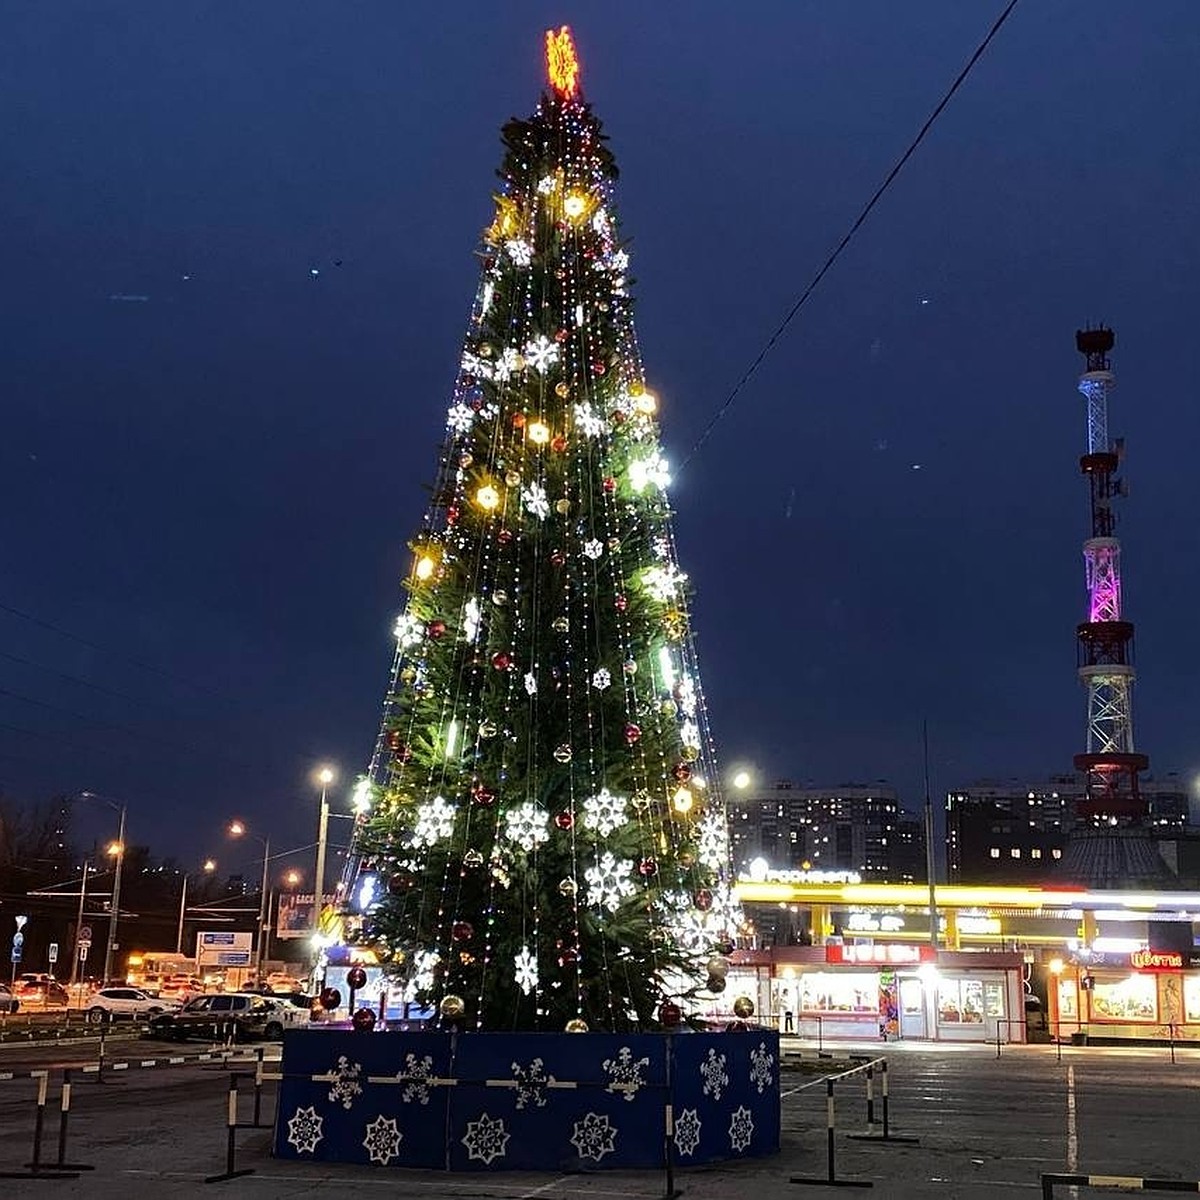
978,925
1156,960
872,923
885,955
562,64
760,873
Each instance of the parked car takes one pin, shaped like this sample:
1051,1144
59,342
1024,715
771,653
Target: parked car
40,989
110,1003
8,1002
281,982
211,1016
182,987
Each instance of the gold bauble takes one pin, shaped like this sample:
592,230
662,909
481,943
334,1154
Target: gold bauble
576,1025
743,1007
452,1007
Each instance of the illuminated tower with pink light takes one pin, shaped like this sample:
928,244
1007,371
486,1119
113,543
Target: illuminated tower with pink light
1110,764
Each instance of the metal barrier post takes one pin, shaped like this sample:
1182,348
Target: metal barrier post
831,1179
34,1168
669,1125
887,1135
63,1112
258,1082
231,1172
1171,1029
870,1096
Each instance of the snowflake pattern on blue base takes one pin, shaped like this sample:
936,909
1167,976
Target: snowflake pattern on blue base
382,1140
304,1129
594,1137
741,1128
486,1139
687,1131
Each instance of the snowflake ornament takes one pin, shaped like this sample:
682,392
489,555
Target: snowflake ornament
485,1139
593,548
618,260
601,678
661,547
416,1075
689,734
663,582
600,222
527,971
435,822
546,185
625,1073
712,842
304,1130
473,364
608,881
535,501
345,1082
741,1128
527,825
530,683
423,973
541,353
712,1072
590,424
594,1137
507,364
520,251
532,1084
687,1131
761,1062
459,418
383,1140
649,471
603,813
471,617
685,695
409,631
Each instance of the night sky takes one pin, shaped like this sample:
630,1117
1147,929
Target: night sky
237,246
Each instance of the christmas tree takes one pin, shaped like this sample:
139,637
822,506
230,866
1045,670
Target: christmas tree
547,825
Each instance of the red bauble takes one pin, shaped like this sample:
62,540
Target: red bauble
462,931
703,899
648,868
558,444
330,998
561,335
598,368
632,732
504,536
483,796
395,739
682,772
356,978
568,956
518,420
670,1014
617,417
452,514
501,660
399,883
621,604
363,1020
610,484
436,629
564,820
558,558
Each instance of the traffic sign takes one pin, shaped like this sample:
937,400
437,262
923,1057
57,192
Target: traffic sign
52,953
85,933
83,949
16,953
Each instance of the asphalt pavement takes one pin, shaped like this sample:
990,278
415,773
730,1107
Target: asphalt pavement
988,1127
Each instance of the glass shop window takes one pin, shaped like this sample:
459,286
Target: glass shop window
1132,999
828,993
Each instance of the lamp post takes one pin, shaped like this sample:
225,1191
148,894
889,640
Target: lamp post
325,776
238,829
116,850
78,925
208,868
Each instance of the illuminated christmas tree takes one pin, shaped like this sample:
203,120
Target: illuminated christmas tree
547,827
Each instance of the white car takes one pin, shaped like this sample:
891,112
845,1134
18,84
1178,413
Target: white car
111,1003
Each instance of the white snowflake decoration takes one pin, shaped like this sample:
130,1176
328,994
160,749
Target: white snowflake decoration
741,1128
534,498
603,813
460,417
304,1130
601,678
608,881
473,364
661,547
485,1139
761,1061
652,470
530,683
383,1140
526,970
687,1131
435,822
712,1071
600,222
594,1137
507,364
625,1073
409,630
416,1075
485,300
541,353
345,1083
685,694
712,842
532,1084
424,964
471,616
589,422
527,825
689,734
520,251
546,184
593,548
663,582
618,260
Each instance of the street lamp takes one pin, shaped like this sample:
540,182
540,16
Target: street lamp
742,780
238,829
325,776
208,867
116,851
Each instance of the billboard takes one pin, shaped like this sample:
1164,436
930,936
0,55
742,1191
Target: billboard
224,948
295,917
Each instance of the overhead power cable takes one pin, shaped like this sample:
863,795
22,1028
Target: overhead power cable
859,220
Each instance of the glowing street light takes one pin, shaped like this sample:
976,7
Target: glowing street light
325,775
238,829
208,867
742,780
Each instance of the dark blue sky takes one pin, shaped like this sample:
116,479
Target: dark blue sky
220,479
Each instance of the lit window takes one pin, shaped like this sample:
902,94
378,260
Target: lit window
1015,852
1035,853
1056,853
995,851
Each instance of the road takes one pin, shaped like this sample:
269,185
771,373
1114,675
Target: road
988,1128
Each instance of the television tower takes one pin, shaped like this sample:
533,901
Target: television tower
1105,640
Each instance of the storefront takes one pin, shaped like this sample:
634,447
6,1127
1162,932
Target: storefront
1145,994
872,991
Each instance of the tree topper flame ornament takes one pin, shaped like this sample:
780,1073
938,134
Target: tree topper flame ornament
562,63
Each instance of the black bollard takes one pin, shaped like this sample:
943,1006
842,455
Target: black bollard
63,1112
35,1170
231,1171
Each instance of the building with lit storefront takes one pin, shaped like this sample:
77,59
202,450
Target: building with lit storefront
1101,963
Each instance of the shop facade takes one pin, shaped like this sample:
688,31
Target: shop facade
873,991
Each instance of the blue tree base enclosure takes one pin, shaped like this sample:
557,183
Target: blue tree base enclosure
527,1101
